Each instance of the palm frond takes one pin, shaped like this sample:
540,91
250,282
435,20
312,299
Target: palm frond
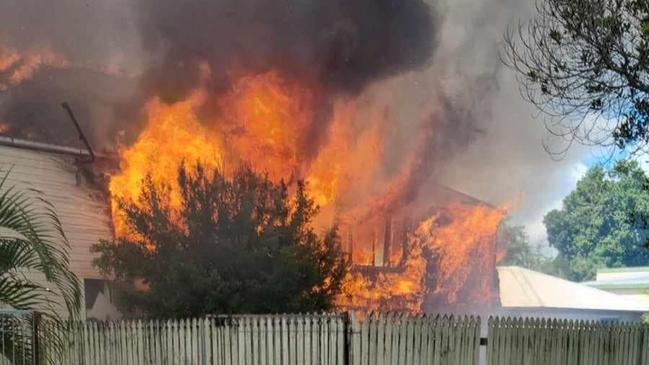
38,243
33,244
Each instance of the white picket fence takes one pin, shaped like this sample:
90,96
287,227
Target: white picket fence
323,339
16,337
339,339
272,340
406,339
516,341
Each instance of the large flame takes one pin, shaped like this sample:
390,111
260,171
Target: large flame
173,134
267,121
459,242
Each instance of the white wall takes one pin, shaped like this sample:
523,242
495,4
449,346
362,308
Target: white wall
84,212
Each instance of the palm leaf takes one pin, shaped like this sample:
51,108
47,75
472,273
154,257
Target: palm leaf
32,241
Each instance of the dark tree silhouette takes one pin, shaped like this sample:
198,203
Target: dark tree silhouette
585,64
239,244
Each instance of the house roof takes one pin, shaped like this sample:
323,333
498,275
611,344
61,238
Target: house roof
50,148
523,288
621,278
636,282
635,269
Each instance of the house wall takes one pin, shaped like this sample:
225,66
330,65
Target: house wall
83,210
638,295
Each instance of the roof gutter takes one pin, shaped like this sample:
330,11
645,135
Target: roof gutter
601,285
50,148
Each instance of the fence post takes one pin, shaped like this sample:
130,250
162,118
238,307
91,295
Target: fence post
36,325
347,330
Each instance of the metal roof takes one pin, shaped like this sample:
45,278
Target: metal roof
523,288
635,269
636,282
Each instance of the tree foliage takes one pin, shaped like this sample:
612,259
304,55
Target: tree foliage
585,63
239,244
604,222
519,250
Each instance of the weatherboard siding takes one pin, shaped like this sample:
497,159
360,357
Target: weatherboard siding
84,214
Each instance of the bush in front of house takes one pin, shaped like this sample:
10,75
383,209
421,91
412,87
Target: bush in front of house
222,244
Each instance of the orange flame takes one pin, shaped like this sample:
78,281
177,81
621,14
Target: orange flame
466,250
459,242
265,120
15,68
173,134
266,117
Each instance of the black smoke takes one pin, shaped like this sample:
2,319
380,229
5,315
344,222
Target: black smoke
99,46
341,45
121,53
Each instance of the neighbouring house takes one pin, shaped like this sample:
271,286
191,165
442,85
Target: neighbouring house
68,180
629,282
525,292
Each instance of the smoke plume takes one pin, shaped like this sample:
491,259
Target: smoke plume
431,68
342,45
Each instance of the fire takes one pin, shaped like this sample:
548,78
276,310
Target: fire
261,122
466,250
402,290
15,68
459,242
173,134
267,121
349,162
264,122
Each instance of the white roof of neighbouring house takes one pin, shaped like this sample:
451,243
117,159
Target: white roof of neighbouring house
621,278
523,288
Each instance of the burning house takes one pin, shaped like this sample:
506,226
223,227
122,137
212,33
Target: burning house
308,90
414,245
439,259
433,256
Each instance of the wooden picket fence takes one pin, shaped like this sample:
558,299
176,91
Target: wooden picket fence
250,339
516,341
405,339
323,339
16,336
341,339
